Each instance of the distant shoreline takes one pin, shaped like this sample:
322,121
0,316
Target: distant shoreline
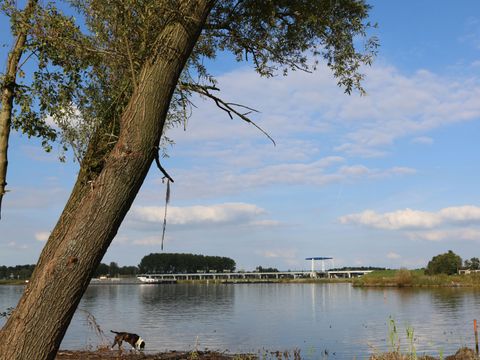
134,281
377,279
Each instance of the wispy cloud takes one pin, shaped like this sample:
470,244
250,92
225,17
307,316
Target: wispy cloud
17,246
287,255
325,171
456,223
397,106
424,140
472,234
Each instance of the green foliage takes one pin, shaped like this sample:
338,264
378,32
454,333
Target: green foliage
447,263
358,268
281,35
102,270
262,269
184,263
87,71
22,272
114,270
472,264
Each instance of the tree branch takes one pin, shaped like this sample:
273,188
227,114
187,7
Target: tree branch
228,107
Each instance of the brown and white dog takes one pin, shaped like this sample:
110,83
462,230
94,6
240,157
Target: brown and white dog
133,339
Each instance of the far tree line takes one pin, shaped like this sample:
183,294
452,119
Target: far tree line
449,263
184,263
152,263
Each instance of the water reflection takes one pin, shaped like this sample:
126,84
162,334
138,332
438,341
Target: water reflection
338,318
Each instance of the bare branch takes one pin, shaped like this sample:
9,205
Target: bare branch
8,94
160,167
228,107
130,59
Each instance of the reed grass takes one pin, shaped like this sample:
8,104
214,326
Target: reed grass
415,278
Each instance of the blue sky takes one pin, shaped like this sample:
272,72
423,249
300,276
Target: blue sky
388,179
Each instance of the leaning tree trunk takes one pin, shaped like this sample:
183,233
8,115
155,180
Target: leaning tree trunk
96,209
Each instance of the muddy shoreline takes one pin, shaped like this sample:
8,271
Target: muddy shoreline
107,354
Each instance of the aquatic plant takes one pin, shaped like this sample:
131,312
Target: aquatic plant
411,343
394,340
440,354
194,353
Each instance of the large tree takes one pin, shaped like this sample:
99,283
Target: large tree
124,80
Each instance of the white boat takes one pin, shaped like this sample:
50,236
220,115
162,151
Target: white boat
153,279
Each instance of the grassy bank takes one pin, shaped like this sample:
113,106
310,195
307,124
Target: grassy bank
416,278
12,282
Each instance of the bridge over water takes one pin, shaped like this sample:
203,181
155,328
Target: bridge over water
254,275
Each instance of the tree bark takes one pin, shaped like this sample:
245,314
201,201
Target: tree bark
8,94
96,208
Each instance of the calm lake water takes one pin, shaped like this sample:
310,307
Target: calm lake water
345,322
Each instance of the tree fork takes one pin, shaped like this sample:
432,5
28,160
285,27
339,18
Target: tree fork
95,211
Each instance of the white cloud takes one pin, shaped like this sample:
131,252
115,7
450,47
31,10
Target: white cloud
227,213
408,218
42,235
393,255
393,220
455,223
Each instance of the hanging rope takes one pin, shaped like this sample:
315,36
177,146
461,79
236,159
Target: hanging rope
167,200
168,179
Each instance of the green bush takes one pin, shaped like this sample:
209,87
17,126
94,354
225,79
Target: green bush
447,263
